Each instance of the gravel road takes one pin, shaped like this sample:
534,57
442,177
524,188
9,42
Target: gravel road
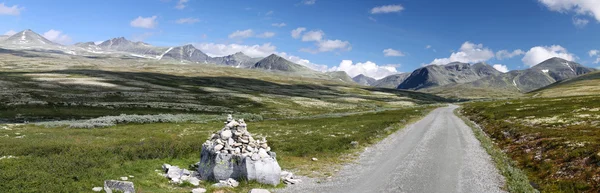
436,154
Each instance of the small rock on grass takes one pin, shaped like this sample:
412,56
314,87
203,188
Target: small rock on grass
259,191
198,190
315,159
97,189
124,178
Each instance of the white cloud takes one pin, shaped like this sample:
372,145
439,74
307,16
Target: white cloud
10,32
266,35
501,68
181,4
315,35
505,54
580,7
14,10
309,2
332,45
297,32
278,24
427,46
468,53
242,34
387,9
214,50
539,54
392,52
580,23
595,53
57,36
189,20
269,13
144,22
368,68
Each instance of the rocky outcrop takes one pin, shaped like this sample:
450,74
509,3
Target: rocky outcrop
119,186
232,152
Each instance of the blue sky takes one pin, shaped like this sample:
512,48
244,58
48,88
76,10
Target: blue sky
376,38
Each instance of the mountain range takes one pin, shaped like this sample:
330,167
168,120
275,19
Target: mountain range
454,79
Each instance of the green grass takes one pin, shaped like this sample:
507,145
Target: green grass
75,160
516,179
555,140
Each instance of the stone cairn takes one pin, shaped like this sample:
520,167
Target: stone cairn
232,152
235,139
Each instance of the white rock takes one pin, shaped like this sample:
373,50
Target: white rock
250,149
218,147
315,159
97,189
263,153
194,181
259,191
198,190
124,178
230,141
225,135
130,176
232,182
166,167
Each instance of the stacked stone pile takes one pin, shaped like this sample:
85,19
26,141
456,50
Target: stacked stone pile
232,152
235,139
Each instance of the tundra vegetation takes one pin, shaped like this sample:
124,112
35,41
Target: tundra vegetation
89,119
555,140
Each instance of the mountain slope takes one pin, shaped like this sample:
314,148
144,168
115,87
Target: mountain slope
28,38
440,75
364,80
239,60
274,62
515,82
587,84
341,76
391,81
185,53
139,49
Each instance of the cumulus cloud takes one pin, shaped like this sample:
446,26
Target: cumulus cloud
315,35
189,20
242,34
468,53
297,32
57,36
595,53
278,24
387,9
215,50
539,54
12,10
266,35
505,54
181,4
392,52
309,2
580,7
10,32
501,68
144,22
329,46
368,68
580,23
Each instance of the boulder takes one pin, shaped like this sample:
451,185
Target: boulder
259,191
198,190
123,186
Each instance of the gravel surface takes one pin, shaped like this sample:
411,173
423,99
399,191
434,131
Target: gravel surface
436,154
